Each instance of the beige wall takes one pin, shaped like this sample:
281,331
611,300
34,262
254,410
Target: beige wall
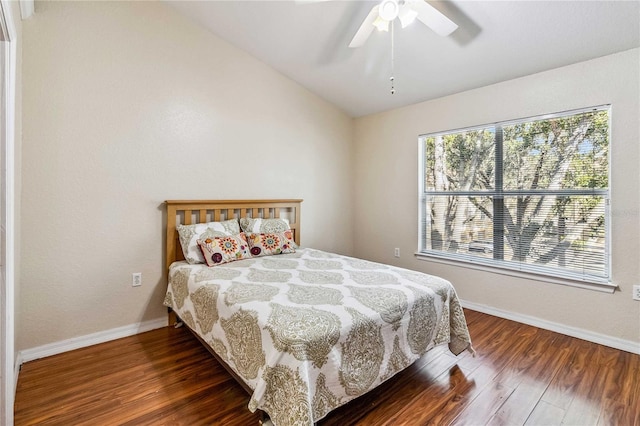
127,104
386,179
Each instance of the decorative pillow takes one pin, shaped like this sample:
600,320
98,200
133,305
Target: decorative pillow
219,250
263,226
266,244
190,234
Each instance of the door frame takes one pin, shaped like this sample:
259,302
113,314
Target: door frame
7,219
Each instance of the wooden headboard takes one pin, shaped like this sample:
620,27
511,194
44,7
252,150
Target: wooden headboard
188,212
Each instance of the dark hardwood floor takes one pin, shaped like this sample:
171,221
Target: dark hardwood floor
522,375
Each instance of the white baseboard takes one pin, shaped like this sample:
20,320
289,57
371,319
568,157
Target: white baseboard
590,336
88,340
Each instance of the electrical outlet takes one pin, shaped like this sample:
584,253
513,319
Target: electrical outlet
636,292
396,252
136,279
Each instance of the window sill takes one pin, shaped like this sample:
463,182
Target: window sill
604,286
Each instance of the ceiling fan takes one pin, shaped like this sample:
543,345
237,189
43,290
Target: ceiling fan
406,11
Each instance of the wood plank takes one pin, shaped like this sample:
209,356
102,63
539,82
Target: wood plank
610,381
579,369
503,400
523,401
478,377
545,414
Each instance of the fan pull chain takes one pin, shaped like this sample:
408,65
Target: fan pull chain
393,89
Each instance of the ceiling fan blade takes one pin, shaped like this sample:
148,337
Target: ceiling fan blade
433,18
365,29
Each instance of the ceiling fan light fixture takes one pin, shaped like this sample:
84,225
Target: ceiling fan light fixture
406,11
381,24
407,16
389,10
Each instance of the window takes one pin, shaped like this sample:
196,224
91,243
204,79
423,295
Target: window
528,195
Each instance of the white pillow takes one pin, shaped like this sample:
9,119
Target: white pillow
263,226
190,234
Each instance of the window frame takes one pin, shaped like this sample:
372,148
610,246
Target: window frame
507,267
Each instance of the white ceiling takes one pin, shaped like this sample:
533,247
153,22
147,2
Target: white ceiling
495,41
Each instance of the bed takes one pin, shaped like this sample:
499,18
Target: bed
304,331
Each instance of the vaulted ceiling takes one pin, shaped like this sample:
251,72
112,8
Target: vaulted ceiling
496,41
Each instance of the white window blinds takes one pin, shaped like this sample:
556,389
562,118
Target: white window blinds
530,195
